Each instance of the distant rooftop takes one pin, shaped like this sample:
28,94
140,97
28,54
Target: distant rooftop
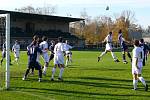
39,16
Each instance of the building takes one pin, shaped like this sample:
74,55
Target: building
25,25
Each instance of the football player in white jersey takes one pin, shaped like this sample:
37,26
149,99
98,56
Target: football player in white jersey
58,59
44,47
68,53
108,48
137,64
16,50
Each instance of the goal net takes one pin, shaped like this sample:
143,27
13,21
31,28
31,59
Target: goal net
5,48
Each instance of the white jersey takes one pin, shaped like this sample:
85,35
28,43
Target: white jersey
137,54
58,49
16,48
108,40
44,48
67,47
58,53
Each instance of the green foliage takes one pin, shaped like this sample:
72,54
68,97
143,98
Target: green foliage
84,79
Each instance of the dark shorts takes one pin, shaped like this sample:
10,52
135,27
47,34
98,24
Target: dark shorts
124,47
35,65
51,57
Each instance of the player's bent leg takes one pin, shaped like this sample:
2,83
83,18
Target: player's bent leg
101,55
143,82
27,72
114,56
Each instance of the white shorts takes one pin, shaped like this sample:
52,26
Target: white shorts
46,57
58,59
16,54
137,71
68,53
108,46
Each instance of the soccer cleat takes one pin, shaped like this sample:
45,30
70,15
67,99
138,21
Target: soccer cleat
134,89
125,62
99,58
146,87
60,79
24,78
52,79
116,60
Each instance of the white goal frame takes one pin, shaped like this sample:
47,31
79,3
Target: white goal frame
7,41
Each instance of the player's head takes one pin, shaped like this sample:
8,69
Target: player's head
120,31
16,41
141,40
136,43
36,38
66,41
44,38
52,42
110,33
60,39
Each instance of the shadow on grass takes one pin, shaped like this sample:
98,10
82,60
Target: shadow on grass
75,94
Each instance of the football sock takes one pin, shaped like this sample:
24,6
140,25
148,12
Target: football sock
40,73
53,72
113,55
61,72
102,54
142,80
124,57
135,83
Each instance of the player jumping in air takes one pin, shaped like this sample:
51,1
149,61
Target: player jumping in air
108,48
58,59
124,47
137,64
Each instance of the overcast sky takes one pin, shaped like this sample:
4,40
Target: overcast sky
93,7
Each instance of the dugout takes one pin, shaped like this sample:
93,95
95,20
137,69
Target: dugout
24,25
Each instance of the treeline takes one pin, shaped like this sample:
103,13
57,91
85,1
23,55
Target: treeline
95,30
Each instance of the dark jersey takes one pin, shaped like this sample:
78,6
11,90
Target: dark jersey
144,47
32,51
51,48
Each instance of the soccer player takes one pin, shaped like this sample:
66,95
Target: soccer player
137,65
67,52
44,47
32,51
108,48
145,49
4,53
124,47
51,48
58,59
16,50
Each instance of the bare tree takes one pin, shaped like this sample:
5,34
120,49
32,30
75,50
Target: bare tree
46,10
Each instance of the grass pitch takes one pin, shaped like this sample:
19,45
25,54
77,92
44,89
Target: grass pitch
84,79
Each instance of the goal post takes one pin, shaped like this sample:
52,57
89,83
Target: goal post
7,41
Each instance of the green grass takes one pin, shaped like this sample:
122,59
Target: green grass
84,79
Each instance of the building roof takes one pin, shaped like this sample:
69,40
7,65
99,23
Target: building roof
39,16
